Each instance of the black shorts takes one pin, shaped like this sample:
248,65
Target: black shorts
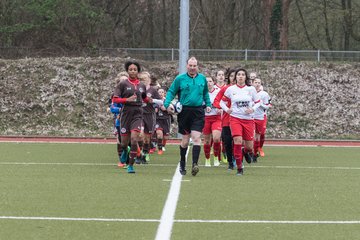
191,118
131,119
164,125
149,122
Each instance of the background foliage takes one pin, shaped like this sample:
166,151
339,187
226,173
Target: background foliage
75,26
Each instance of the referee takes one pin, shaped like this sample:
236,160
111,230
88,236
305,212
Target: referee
192,91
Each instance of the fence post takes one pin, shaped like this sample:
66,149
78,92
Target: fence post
318,55
172,54
246,57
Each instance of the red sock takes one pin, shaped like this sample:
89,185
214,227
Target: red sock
256,147
138,151
238,155
207,148
217,149
262,140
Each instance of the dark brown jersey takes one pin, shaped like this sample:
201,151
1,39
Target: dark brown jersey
160,114
126,89
152,93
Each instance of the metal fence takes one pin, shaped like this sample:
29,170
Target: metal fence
172,54
165,54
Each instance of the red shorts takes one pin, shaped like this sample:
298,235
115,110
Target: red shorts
212,123
225,119
260,126
242,127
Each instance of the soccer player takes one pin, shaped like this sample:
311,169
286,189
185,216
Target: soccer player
191,88
131,93
219,84
260,118
163,122
226,131
220,80
244,102
115,108
212,128
149,116
252,75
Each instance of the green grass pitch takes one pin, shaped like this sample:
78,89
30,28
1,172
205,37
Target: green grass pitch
76,191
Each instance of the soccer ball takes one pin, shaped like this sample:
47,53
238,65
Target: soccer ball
177,107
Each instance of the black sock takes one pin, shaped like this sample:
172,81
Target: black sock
160,143
196,153
182,157
119,149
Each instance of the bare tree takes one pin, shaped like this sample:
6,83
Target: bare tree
267,6
74,26
326,26
349,29
302,20
284,40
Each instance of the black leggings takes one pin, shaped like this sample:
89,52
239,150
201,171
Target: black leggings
228,143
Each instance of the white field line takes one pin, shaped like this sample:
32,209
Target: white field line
304,167
181,220
171,165
78,219
82,164
169,180
55,163
269,221
168,213
102,142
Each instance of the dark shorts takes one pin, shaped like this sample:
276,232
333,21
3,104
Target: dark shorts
191,118
164,125
131,119
149,122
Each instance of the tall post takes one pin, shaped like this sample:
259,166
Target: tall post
184,35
